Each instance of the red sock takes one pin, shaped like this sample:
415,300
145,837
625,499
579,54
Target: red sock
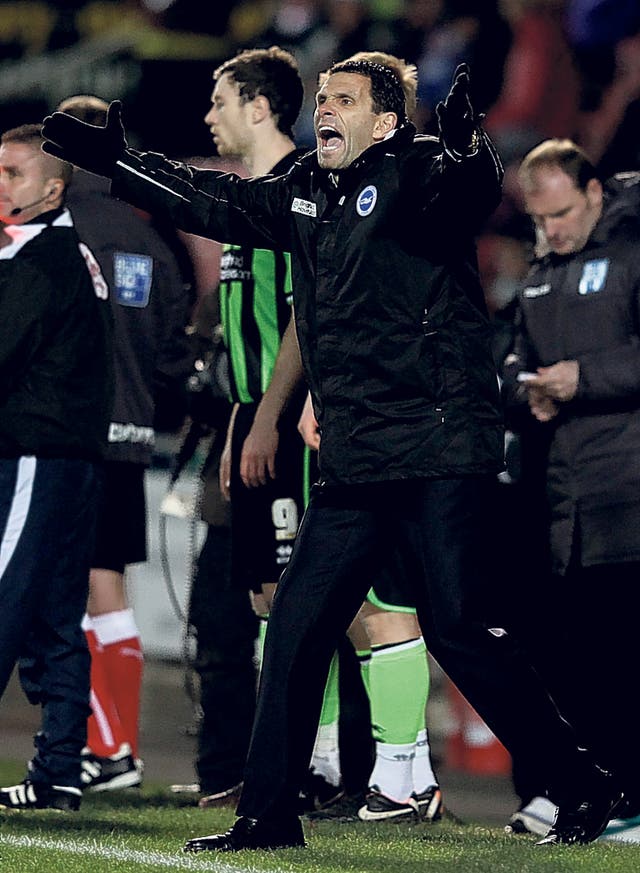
124,664
105,732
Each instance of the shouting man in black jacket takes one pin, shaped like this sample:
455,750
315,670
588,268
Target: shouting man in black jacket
394,339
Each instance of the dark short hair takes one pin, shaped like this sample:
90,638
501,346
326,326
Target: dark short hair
31,135
271,73
387,92
561,153
86,107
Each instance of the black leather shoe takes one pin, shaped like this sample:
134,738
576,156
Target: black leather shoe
583,822
251,833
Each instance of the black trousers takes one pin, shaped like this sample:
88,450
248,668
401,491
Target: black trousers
226,628
589,658
47,526
446,529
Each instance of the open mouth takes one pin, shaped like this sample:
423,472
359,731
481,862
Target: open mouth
329,139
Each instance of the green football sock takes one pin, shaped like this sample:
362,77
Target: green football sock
326,753
262,632
331,701
364,660
398,690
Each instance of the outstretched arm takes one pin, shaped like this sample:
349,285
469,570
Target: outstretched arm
92,147
208,203
467,184
460,133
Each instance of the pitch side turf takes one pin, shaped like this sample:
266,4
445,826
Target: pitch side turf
144,830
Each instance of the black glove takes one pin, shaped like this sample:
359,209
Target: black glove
456,119
88,146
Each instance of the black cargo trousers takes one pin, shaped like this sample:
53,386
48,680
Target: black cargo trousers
447,531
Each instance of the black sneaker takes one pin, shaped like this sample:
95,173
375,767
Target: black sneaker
629,808
318,793
534,817
345,808
582,822
379,807
112,773
37,795
429,803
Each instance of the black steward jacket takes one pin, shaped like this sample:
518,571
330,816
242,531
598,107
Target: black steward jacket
150,305
586,307
390,315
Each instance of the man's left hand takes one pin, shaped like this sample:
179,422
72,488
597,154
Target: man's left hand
88,146
541,405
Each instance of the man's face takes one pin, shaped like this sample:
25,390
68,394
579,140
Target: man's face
229,118
563,213
344,120
23,181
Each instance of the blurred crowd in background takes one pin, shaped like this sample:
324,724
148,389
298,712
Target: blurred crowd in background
540,68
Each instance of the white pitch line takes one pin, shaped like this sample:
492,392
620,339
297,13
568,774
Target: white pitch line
96,849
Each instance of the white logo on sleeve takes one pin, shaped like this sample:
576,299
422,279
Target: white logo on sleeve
366,200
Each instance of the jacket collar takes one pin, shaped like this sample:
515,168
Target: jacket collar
284,164
21,234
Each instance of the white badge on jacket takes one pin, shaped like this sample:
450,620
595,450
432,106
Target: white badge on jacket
594,275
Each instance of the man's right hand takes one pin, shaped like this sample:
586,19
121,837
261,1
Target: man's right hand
308,425
91,147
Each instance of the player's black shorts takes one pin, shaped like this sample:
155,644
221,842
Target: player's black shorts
121,534
264,520
391,589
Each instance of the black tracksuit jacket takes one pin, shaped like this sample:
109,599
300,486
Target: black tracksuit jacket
586,307
55,360
390,315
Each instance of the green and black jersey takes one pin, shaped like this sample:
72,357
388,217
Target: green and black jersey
255,308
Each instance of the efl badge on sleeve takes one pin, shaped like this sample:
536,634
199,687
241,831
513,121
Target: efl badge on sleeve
132,276
594,275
